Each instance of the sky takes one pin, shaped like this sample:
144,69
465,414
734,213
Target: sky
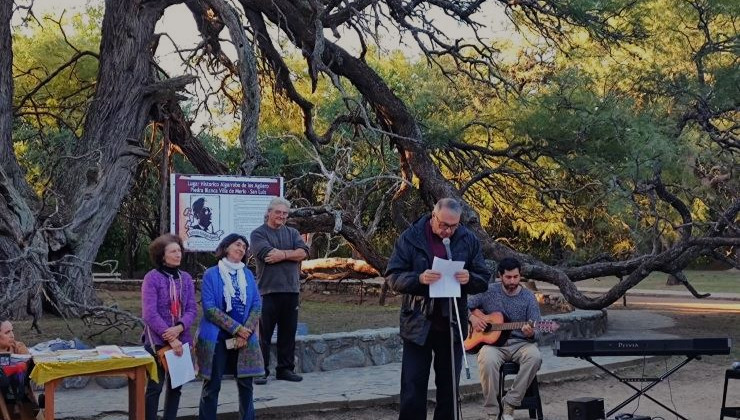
178,23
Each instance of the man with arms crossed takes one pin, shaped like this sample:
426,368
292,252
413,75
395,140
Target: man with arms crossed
425,321
278,251
517,304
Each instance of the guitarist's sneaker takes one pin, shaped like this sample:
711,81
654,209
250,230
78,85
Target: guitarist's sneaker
508,412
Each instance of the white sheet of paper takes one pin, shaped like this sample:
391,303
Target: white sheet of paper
181,368
447,286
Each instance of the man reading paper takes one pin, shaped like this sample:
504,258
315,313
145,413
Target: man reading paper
425,321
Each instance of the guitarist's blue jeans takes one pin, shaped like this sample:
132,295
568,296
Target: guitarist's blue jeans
415,366
490,359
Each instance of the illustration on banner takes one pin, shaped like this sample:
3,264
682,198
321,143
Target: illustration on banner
202,218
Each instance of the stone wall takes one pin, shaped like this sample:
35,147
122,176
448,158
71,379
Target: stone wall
576,324
346,350
333,351
382,346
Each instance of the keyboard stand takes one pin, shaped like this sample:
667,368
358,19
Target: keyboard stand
639,392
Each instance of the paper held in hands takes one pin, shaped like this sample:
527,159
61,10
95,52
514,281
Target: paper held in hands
180,368
447,286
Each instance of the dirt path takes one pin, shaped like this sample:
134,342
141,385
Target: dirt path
695,391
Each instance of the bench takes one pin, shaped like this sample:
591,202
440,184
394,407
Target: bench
113,281
102,277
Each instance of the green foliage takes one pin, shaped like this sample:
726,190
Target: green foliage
603,121
603,136
51,92
582,127
726,92
44,48
40,152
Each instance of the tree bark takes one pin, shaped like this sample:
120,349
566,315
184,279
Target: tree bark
193,149
250,103
56,251
321,219
672,280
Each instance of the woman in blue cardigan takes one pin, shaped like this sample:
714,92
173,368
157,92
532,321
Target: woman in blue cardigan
227,338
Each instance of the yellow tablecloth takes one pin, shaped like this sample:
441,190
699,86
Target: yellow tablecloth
48,371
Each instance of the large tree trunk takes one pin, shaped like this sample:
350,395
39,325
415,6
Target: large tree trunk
94,187
22,251
56,249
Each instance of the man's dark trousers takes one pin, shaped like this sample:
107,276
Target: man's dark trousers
415,376
279,309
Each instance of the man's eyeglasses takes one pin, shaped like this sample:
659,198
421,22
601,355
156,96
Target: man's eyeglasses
444,226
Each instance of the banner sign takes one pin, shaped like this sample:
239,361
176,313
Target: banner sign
205,208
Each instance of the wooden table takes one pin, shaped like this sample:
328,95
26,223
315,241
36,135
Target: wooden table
50,374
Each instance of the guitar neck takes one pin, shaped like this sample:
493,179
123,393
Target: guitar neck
506,326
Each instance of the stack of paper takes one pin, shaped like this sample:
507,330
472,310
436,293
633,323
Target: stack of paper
181,369
135,351
110,351
447,286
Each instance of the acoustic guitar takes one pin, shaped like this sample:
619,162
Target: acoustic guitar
497,330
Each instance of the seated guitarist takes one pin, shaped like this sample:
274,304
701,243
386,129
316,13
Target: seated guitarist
517,304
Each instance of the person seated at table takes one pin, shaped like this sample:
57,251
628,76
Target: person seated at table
14,383
8,343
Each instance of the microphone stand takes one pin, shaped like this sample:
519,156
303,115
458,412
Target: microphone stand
462,339
450,301
455,392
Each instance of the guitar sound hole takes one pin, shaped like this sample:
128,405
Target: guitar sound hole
488,328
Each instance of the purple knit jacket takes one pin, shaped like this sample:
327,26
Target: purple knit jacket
155,305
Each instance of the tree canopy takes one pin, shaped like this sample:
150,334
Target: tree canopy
601,141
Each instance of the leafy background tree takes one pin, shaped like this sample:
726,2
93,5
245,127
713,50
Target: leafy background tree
602,140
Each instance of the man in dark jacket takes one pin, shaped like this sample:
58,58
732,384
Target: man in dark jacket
425,321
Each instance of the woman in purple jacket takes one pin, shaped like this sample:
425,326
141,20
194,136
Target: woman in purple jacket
168,309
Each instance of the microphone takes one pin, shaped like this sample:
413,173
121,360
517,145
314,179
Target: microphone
446,243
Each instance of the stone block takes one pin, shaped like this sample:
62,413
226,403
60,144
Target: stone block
111,382
309,360
347,358
75,382
379,355
319,346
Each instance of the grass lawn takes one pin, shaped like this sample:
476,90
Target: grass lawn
323,312
332,313
704,281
